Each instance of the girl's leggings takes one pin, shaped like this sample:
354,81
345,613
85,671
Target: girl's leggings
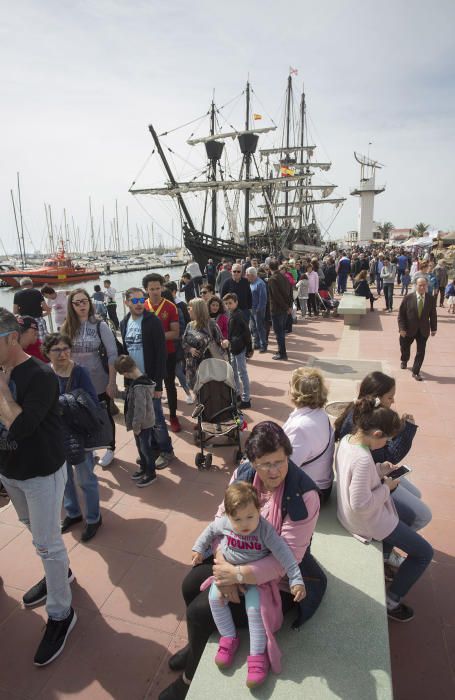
225,624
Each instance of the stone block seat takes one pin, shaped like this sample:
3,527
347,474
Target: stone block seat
342,652
352,307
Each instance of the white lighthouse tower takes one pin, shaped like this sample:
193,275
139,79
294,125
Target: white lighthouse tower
366,191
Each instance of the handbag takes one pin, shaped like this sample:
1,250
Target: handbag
102,352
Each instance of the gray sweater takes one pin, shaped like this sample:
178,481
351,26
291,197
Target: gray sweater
242,549
139,411
85,351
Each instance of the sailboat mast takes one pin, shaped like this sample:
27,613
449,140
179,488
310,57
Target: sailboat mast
247,170
21,253
171,176
20,214
288,135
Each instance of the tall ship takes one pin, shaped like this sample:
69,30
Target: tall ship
269,206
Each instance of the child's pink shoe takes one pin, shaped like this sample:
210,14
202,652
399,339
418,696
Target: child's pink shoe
258,669
226,651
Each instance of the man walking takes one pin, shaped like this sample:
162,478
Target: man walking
279,293
417,318
259,305
239,286
33,471
443,278
111,304
143,339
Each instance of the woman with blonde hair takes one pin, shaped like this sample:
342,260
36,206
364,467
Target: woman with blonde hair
200,332
309,429
94,347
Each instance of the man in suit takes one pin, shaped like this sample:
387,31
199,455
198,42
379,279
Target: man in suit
417,319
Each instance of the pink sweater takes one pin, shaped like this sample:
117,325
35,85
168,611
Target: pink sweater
365,507
313,279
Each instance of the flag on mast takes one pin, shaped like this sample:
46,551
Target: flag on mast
257,116
293,71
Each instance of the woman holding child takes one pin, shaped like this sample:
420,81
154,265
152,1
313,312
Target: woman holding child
289,501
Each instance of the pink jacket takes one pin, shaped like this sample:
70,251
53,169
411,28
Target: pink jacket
223,323
365,507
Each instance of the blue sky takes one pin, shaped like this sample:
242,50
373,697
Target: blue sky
80,82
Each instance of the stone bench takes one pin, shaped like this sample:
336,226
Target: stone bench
342,652
352,307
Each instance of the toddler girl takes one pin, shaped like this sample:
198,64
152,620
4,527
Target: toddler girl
245,536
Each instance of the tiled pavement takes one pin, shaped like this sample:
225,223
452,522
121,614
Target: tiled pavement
127,579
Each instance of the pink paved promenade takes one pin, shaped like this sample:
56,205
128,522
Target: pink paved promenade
127,588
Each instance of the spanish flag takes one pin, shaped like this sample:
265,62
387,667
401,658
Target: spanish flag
285,171
257,116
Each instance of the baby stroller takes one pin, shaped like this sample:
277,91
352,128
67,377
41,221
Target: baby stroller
326,303
216,410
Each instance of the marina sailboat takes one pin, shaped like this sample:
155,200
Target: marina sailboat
279,185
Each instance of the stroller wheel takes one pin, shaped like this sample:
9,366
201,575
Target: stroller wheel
199,460
208,460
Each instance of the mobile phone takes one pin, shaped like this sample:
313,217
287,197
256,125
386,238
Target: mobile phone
399,471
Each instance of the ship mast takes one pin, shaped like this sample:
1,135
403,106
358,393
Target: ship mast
302,143
172,179
288,134
247,169
213,172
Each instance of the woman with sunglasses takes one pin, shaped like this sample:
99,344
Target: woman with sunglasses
71,376
290,503
86,334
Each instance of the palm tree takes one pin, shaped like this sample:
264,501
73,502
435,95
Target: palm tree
421,229
385,229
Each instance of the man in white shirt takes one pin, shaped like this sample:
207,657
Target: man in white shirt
111,304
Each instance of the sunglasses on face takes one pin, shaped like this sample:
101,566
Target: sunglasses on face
138,300
80,302
237,272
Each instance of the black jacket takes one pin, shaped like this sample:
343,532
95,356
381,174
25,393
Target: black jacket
80,420
241,289
154,345
239,333
280,292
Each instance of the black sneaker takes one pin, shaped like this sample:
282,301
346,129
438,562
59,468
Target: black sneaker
245,404
38,593
69,522
146,480
54,640
402,613
91,530
138,475
178,690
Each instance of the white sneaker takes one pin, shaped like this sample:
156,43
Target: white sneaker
395,560
164,399
189,399
106,459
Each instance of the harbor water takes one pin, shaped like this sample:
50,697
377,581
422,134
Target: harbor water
121,281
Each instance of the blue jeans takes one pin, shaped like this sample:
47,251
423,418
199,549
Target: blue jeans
88,483
379,284
161,431
409,495
180,374
279,326
148,449
342,282
241,374
257,327
246,314
419,552
38,504
388,296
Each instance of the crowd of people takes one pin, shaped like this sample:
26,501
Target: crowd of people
57,393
